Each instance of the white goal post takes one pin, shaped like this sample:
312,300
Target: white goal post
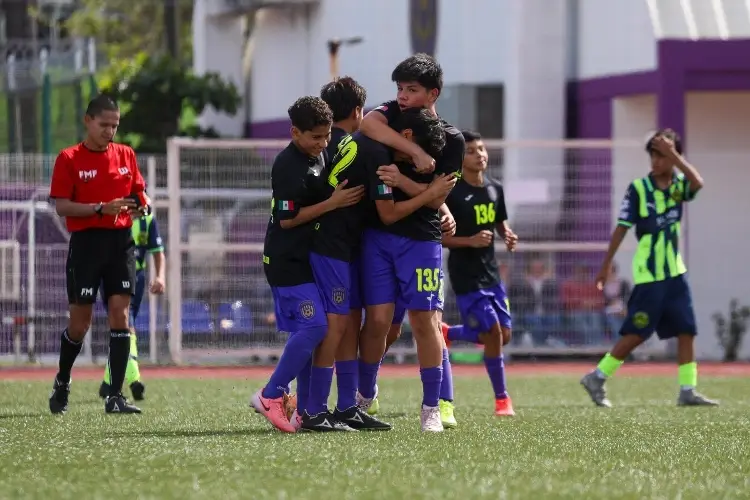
215,186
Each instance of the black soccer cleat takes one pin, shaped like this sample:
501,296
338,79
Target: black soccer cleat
137,389
323,422
118,404
58,400
104,390
360,420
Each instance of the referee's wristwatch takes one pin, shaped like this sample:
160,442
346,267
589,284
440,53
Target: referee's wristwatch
98,209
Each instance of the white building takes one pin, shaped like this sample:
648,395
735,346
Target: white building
532,69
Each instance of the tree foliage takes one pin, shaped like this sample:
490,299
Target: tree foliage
155,91
124,28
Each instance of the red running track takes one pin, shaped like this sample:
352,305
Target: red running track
560,368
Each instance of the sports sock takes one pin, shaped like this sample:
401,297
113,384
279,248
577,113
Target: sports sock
496,371
446,384
303,387
119,352
687,375
69,351
459,333
608,366
368,376
347,376
296,355
321,379
132,372
431,378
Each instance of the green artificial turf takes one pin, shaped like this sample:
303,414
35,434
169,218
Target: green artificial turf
198,439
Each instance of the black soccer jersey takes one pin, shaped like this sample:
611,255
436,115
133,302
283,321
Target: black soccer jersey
338,232
296,183
475,208
333,145
424,223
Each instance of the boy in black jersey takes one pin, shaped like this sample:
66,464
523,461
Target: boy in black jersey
334,257
419,80
478,204
295,205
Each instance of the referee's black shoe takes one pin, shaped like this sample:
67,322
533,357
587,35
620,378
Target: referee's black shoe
58,400
118,404
360,420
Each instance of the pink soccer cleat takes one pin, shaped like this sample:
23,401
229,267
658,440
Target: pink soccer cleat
273,410
504,407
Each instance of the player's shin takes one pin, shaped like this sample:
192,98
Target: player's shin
297,353
372,346
347,366
321,376
493,360
429,353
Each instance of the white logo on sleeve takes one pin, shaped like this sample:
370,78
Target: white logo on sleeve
126,284
87,292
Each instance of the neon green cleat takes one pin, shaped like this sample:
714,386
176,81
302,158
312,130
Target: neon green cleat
446,414
374,407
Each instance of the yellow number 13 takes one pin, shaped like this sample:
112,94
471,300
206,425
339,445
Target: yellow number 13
428,280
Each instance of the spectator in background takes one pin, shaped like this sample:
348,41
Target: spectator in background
584,306
534,301
616,294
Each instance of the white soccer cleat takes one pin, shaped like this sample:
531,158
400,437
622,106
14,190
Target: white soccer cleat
364,403
430,419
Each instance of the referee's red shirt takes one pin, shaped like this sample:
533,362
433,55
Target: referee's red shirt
85,176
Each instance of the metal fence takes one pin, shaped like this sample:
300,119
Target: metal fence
212,207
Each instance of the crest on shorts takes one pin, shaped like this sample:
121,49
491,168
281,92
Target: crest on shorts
640,319
307,309
338,295
423,24
472,321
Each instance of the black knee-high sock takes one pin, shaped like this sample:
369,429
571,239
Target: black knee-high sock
119,351
69,351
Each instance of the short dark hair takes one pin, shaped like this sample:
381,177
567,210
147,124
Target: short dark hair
471,136
309,112
343,95
427,129
667,133
420,68
100,104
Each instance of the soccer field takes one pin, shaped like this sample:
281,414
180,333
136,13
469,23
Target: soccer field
197,438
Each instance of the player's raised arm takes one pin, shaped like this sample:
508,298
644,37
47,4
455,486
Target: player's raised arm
668,145
376,126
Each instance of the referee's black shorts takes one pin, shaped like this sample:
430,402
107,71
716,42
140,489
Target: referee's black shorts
97,257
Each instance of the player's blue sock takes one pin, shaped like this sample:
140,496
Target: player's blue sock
446,385
459,333
303,387
368,375
496,371
321,379
297,353
431,378
347,376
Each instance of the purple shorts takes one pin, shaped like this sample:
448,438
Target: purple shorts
396,267
480,310
332,276
298,307
355,285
